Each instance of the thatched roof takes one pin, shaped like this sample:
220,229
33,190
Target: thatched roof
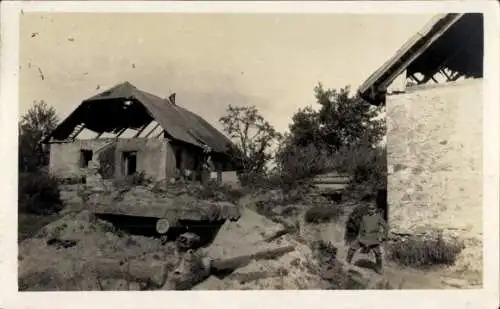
125,106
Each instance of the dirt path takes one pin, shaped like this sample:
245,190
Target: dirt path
400,277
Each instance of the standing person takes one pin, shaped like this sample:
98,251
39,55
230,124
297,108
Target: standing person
372,232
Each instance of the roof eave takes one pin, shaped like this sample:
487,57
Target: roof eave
375,86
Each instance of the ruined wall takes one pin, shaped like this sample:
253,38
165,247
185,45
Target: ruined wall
65,158
434,146
151,156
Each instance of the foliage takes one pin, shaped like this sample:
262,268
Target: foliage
342,135
341,121
319,214
219,192
424,252
253,137
38,193
37,123
106,160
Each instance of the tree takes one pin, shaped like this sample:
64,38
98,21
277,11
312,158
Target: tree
37,123
342,126
345,120
253,137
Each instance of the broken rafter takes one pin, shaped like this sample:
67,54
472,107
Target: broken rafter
142,129
442,65
448,78
160,134
456,76
415,78
78,130
152,130
120,132
99,135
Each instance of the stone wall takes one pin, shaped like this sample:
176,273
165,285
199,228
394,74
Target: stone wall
155,157
434,146
151,156
65,157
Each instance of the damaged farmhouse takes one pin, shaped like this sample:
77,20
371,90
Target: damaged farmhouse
169,141
433,92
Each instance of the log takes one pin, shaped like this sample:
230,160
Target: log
243,277
193,210
133,270
267,252
162,226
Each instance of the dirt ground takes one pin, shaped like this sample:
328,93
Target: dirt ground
71,253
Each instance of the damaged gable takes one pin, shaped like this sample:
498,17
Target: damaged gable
126,107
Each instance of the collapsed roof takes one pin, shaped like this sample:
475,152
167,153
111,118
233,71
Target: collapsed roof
124,106
449,41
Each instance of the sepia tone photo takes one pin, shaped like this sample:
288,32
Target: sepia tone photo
172,151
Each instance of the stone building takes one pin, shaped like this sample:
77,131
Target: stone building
168,140
434,127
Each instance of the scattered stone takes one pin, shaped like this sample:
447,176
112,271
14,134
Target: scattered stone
187,241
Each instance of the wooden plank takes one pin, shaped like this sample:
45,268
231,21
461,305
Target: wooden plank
120,132
152,130
142,129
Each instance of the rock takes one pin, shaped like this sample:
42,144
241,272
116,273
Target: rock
234,238
257,270
192,270
187,241
244,256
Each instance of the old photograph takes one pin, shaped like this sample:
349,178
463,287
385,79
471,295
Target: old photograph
232,151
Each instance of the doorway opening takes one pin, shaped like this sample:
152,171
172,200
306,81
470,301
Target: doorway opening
130,162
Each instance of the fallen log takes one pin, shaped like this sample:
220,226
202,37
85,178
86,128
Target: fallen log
154,272
257,275
267,252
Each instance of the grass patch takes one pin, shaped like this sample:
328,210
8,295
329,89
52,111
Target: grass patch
30,224
319,214
420,252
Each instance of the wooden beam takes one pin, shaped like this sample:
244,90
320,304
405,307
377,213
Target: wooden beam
99,135
142,129
415,78
445,74
456,76
78,131
120,132
417,52
154,128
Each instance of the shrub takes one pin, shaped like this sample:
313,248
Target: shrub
219,192
106,160
296,162
38,193
318,214
423,252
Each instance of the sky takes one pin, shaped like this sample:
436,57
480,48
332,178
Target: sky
272,61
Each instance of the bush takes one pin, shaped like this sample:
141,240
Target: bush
38,193
106,160
297,163
421,252
319,214
219,192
